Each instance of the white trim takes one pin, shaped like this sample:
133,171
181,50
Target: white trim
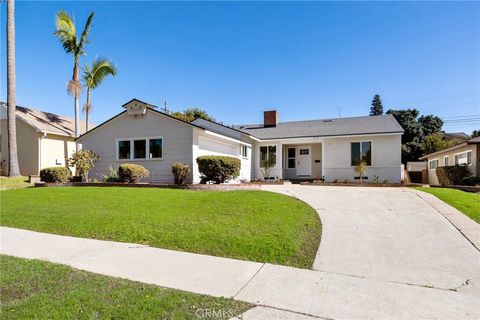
147,148
446,164
463,152
330,137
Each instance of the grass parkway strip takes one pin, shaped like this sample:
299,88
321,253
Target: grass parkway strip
249,225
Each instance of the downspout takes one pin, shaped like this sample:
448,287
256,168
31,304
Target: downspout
44,134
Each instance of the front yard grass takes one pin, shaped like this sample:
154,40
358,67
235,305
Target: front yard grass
33,289
14,183
249,225
466,202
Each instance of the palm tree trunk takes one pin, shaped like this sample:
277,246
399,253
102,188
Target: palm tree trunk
13,168
75,96
87,109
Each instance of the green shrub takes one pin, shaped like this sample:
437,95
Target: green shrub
471,181
452,175
83,160
129,172
55,174
112,175
180,171
218,168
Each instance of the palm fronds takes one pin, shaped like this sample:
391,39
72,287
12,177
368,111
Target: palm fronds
67,34
101,68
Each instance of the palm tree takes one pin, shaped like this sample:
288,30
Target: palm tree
66,33
92,77
13,168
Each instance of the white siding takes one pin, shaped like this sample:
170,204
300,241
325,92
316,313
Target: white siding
386,158
54,150
206,144
177,143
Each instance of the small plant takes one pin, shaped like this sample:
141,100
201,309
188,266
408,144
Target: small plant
376,179
361,168
55,174
386,181
131,173
267,166
346,181
180,171
84,161
112,175
335,181
218,168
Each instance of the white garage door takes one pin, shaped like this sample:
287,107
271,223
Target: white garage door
208,146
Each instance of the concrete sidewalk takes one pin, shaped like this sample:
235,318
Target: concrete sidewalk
281,292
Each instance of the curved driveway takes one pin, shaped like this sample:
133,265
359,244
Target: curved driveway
388,234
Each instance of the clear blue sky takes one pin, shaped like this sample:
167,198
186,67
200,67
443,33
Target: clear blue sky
308,60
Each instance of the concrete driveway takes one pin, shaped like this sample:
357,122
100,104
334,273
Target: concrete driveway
388,234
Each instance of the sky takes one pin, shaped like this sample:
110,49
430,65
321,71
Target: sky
308,60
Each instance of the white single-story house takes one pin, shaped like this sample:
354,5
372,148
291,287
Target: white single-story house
44,139
318,149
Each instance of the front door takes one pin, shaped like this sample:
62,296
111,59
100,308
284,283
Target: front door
304,161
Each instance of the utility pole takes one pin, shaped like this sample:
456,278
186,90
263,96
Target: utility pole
165,106
339,109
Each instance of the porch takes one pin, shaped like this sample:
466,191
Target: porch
302,161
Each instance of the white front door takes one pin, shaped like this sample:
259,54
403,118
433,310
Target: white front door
304,161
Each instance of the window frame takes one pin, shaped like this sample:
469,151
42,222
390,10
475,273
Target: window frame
267,154
243,154
445,161
371,152
294,158
132,148
461,153
430,164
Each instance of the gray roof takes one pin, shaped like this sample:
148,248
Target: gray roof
474,140
326,127
48,122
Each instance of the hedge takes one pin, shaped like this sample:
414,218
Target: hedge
129,172
180,171
218,168
55,174
452,175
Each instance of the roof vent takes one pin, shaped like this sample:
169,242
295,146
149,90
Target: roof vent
328,120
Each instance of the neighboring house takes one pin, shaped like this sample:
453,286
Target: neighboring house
466,153
318,149
43,139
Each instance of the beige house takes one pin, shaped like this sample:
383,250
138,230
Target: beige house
43,139
466,153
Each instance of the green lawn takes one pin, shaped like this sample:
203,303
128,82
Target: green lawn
466,202
14,183
33,289
249,225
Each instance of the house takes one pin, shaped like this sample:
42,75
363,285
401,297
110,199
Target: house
466,153
325,149
43,139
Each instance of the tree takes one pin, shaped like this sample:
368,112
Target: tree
191,114
415,131
66,33
377,107
475,133
92,77
13,168
430,124
435,142
84,161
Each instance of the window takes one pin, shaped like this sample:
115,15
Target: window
361,151
463,159
433,164
445,161
124,149
156,148
268,153
291,158
304,151
139,148
244,151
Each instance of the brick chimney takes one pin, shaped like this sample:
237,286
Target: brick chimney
270,118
